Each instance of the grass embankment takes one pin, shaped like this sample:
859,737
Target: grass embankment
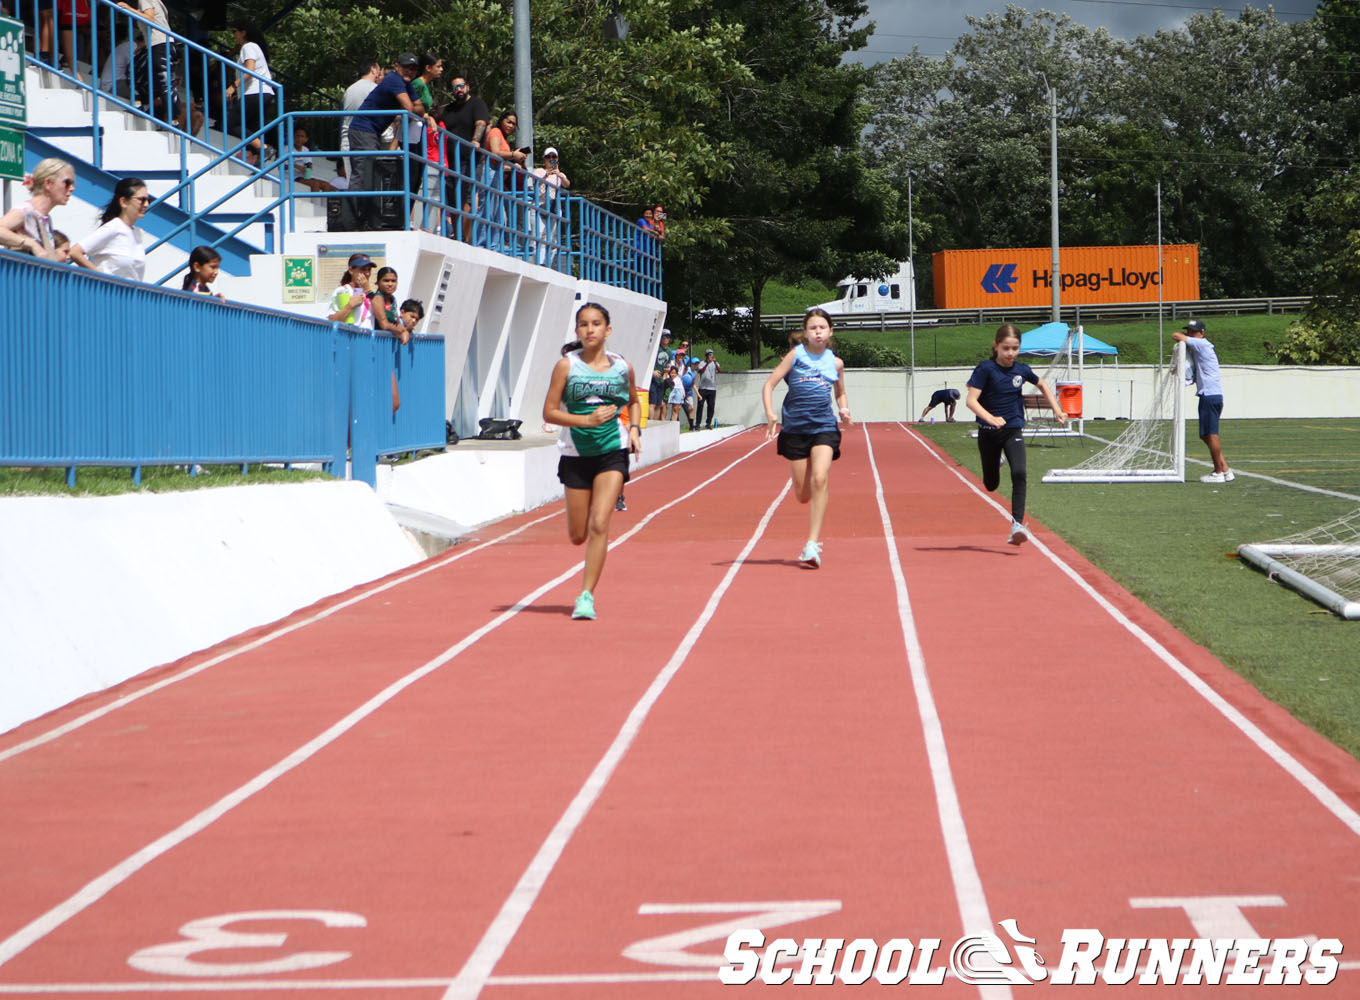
96,480
1174,547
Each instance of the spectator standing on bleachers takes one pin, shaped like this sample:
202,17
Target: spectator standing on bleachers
349,302
155,90
258,99
28,227
551,178
370,73
659,221
383,300
499,144
390,96
645,225
118,247
465,117
431,69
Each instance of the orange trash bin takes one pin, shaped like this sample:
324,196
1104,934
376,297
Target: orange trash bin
1069,398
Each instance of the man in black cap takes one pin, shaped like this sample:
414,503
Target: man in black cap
1209,388
391,95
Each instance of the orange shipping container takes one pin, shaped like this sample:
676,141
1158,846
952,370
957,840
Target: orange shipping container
988,279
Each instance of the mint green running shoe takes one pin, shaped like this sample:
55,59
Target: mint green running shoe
585,606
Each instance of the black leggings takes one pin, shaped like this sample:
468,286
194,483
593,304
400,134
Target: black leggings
991,443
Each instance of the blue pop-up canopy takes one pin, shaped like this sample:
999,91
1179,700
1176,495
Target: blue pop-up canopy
1051,338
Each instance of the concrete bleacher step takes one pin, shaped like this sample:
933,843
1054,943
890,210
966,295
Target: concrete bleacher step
62,113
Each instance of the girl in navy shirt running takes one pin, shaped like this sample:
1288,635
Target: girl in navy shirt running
994,394
810,438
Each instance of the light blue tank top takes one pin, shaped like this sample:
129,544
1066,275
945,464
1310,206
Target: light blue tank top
809,407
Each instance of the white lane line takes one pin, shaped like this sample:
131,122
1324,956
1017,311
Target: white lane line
95,890
429,567
476,972
968,891
1331,801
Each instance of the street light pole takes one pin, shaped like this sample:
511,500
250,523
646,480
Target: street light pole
1053,194
911,305
524,75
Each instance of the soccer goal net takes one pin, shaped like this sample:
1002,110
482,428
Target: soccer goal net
1151,449
1322,563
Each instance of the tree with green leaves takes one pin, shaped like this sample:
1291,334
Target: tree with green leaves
1221,112
1328,333
796,197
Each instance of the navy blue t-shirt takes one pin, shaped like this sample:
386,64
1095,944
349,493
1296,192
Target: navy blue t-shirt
943,396
383,97
1001,388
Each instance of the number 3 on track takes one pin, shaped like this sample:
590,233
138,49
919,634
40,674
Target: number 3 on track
175,958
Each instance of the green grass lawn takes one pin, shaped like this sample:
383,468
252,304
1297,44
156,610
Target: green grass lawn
1174,547
96,480
1240,340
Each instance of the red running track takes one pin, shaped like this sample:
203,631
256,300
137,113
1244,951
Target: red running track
440,786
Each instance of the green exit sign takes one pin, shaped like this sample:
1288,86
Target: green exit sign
12,153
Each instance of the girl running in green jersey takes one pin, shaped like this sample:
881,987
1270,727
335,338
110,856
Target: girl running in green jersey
593,398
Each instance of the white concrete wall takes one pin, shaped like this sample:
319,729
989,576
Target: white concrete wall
511,316
1108,392
97,590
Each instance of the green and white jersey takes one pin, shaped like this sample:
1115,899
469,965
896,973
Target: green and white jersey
587,389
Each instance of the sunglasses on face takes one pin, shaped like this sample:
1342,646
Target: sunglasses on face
144,199
460,86
68,182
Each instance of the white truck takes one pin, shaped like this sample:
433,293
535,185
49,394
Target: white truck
895,293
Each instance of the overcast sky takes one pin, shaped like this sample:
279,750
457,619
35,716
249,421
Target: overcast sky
933,25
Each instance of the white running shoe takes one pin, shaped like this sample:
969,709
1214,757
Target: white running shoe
1217,477
811,555
1019,536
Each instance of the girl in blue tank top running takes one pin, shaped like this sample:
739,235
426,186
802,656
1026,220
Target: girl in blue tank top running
593,398
810,437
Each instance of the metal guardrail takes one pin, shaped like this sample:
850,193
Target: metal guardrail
172,378
1038,314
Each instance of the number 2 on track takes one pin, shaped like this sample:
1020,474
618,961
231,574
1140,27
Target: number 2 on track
673,949
176,958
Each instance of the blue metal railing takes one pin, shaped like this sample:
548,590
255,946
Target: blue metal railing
470,194
166,80
123,374
462,191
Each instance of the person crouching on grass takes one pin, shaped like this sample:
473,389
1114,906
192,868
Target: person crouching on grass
807,427
994,394
593,397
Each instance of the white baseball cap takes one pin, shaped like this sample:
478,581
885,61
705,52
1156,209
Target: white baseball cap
550,151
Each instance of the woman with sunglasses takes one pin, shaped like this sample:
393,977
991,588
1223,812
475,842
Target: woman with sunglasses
118,246
28,227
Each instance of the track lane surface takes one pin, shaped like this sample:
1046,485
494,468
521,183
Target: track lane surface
784,762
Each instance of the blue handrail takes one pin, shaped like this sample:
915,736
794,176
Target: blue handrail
464,191
160,86
170,378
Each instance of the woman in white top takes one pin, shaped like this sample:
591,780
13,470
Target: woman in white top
118,246
257,96
29,226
